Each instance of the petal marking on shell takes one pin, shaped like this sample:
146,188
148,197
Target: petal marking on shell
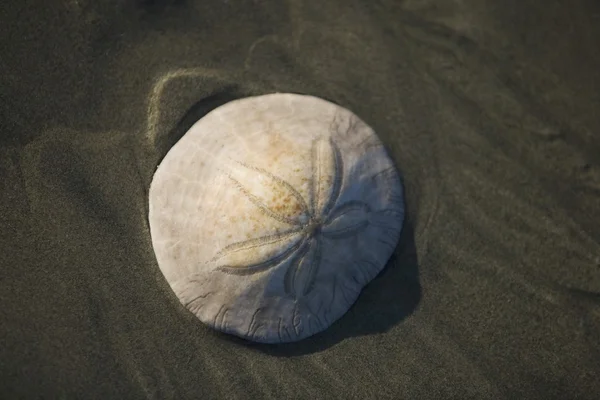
283,186
259,264
300,276
346,220
327,165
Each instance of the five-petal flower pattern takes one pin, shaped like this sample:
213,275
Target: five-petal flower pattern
309,223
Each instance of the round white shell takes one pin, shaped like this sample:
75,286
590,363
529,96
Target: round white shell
272,212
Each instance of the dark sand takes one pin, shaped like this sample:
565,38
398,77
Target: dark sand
491,110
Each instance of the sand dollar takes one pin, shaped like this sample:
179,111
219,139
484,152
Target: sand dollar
272,213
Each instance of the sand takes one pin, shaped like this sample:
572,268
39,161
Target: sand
489,109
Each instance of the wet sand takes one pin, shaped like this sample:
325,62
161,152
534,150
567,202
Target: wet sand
489,108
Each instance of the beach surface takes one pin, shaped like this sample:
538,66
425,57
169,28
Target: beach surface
490,110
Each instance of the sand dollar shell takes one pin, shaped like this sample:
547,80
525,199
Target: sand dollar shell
271,214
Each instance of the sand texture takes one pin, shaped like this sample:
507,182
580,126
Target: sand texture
488,108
